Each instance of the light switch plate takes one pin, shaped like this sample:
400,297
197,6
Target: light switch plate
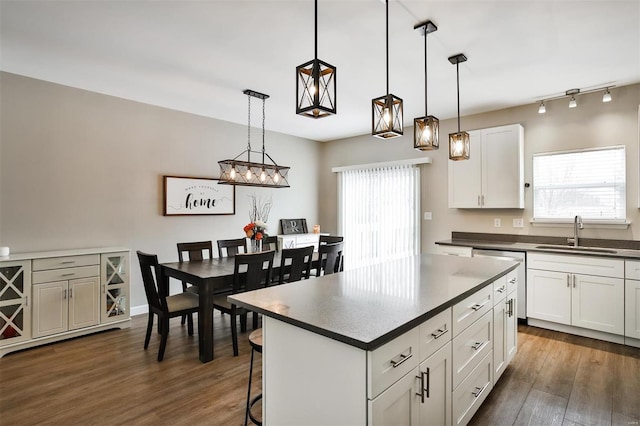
497,222
518,223
428,215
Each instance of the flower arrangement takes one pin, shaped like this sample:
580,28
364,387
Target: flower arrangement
256,229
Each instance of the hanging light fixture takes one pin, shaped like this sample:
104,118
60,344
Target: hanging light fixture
248,173
607,95
542,109
572,93
459,145
386,110
426,129
316,84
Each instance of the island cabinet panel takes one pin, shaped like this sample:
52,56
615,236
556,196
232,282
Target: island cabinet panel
470,346
434,333
391,361
472,308
632,303
435,389
472,392
397,405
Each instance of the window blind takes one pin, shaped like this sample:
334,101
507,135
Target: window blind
379,212
590,183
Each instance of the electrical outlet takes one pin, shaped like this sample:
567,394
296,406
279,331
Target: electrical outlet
428,215
497,223
518,223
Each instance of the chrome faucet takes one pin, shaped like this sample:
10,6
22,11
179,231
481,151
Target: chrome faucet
577,225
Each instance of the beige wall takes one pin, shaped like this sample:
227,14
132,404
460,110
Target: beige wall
80,169
592,124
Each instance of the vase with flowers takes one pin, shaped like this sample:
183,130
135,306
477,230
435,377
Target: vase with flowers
256,229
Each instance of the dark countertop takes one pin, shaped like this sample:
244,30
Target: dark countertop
625,249
370,306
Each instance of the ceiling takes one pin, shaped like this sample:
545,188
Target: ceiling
198,56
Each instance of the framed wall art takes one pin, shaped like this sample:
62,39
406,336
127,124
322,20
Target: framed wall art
197,196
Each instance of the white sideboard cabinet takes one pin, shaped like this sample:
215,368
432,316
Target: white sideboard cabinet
299,240
493,176
51,296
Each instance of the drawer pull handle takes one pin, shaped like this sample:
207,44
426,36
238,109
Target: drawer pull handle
479,306
439,333
67,262
479,391
512,281
68,275
402,359
500,290
477,346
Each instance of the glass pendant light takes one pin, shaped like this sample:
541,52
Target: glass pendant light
316,84
386,111
459,145
426,129
248,173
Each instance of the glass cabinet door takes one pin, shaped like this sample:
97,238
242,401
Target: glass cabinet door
15,311
115,286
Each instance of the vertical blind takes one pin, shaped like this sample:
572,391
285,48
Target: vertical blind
378,214
588,183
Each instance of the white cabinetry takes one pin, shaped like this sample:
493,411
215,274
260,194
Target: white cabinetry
299,240
505,323
454,250
632,303
581,291
50,296
493,177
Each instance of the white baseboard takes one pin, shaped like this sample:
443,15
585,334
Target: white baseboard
608,337
139,310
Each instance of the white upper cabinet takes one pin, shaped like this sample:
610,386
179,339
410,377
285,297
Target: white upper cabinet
493,176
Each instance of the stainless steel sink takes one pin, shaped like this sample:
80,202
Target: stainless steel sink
581,249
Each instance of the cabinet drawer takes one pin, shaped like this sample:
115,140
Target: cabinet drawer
471,308
512,280
39,277
434,334
632,269
391,361
471,346
588,265
500,289
472,392
454,250
65,262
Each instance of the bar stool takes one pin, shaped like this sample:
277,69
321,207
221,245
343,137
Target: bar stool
255,339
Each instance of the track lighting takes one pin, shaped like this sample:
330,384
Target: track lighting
572,93
542,109
607,95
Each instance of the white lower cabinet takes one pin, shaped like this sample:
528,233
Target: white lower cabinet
65,305
397,405
505,333
580,291
472,392
632,300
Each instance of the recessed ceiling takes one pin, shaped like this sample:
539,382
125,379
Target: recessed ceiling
198,56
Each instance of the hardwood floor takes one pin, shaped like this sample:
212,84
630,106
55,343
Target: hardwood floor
107,378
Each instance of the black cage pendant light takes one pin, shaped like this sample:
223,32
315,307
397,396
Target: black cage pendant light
316,84
426,129
458,142
248,173
387,110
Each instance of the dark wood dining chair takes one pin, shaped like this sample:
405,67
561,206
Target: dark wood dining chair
251,271
232,247
295,264
161,304
198,250
329,259
270,243
330,239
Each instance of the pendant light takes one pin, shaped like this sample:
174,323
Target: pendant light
316,84
248,173
458,142
426,129
386,110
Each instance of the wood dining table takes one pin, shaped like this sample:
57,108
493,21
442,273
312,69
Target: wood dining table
211,276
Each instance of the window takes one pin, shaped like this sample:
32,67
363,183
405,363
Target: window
589,183
379,212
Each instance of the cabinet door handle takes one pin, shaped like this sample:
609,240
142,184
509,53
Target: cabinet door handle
510,310
482,200
70,293
439,333
64,293
477,346
574,281
568,280
428,374
26,301
479,391
421,394
479,306
479,201
402,359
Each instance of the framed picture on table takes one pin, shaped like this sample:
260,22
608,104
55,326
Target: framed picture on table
293,226
185,196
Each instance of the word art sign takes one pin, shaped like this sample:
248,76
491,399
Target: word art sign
197,196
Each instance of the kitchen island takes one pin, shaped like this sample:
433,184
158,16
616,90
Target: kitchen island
334,346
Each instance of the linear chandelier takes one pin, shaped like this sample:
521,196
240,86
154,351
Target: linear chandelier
426,129
572,93
386,111
248,173
316,84
459,143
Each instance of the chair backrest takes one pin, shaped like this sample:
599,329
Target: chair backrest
330,239
233,246
257,273
329,258
295,264
196,250
151,272
270,243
